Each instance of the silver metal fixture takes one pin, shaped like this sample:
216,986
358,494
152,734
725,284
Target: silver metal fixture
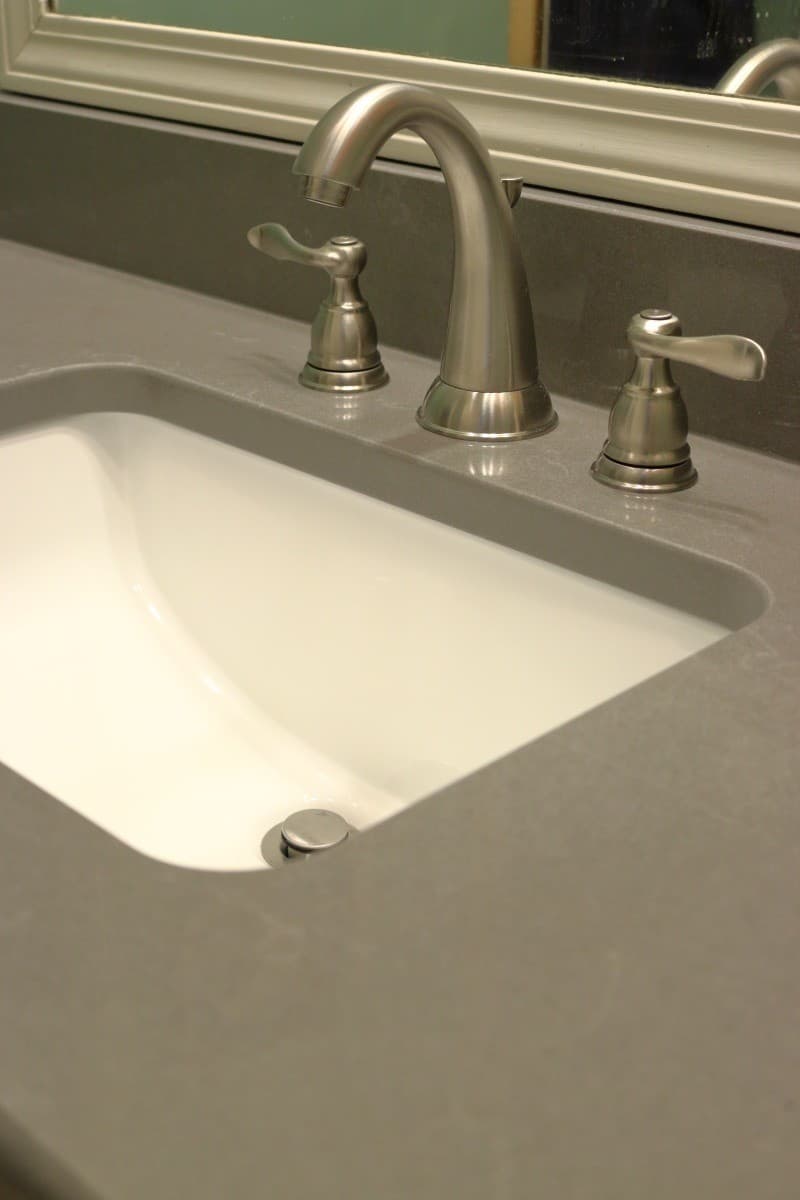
775,62
488,387
512,185
303,835
344,355
646,449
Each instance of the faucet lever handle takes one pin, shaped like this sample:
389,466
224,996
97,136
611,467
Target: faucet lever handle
656,333
647,449
344,355
342,257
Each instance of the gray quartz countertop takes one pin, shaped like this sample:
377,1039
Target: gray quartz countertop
574,975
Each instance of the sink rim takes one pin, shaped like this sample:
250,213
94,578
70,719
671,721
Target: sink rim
146,397
751,596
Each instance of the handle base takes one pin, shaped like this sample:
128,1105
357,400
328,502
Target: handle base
343,381
629,478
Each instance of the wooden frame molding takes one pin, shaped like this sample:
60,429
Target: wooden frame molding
693,152
524,32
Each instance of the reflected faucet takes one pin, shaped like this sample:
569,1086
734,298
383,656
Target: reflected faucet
775,62
488,387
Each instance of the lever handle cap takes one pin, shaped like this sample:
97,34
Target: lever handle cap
656,333
342,257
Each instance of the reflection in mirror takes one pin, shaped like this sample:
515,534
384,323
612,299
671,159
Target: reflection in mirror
775,63
685,43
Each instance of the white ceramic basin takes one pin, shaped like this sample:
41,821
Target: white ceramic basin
196,641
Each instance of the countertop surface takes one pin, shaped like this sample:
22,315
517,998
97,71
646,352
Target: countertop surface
590,992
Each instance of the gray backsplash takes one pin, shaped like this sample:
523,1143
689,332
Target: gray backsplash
174,202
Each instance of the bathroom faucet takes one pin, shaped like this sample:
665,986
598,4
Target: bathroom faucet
488,387
775,62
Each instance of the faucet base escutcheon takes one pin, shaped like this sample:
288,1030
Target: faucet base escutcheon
487,416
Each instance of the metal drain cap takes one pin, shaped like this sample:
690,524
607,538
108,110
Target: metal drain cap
312,830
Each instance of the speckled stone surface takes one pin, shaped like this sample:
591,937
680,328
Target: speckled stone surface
590,992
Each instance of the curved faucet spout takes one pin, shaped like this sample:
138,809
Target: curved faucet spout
489,385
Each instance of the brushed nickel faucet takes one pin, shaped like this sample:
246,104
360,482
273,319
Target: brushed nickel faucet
488,387
344,354
647,449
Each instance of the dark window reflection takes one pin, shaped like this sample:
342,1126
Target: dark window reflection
689,42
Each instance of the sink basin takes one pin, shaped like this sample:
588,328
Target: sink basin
197,640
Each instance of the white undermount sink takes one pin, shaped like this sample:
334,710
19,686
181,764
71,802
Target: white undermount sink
196,640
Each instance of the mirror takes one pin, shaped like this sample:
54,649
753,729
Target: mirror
740,46
591,127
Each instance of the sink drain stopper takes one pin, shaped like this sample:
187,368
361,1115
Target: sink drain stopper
304,834
312,830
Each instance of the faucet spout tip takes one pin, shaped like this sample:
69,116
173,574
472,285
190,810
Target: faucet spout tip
325,191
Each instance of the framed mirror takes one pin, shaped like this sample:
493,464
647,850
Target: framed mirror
686,43
619,99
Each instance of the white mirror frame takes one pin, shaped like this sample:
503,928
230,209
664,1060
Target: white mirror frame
695,152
